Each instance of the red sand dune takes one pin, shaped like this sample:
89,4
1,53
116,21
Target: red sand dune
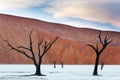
70,48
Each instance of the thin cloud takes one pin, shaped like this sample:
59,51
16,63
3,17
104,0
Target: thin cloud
104,11
19,4
101,11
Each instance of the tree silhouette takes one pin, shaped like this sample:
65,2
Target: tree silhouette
61,64
54,63
40,54
104,43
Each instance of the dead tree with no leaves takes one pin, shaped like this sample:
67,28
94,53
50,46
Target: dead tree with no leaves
104,42
41,53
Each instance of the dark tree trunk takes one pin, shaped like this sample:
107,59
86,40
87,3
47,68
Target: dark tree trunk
38,68
96,65
62,65
38,71
54,63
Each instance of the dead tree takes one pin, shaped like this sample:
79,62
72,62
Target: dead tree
104,43
40,54
54,63
102,65
61,64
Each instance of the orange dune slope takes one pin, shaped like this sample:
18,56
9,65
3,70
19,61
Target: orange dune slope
70,48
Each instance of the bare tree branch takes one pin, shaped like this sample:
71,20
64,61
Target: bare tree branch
92,47
104,43
23,48
20,51
100,39
39,51
47,46
31,48
109,41
39,43
97,49
50,44
30,40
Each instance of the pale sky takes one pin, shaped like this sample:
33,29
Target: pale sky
97,14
